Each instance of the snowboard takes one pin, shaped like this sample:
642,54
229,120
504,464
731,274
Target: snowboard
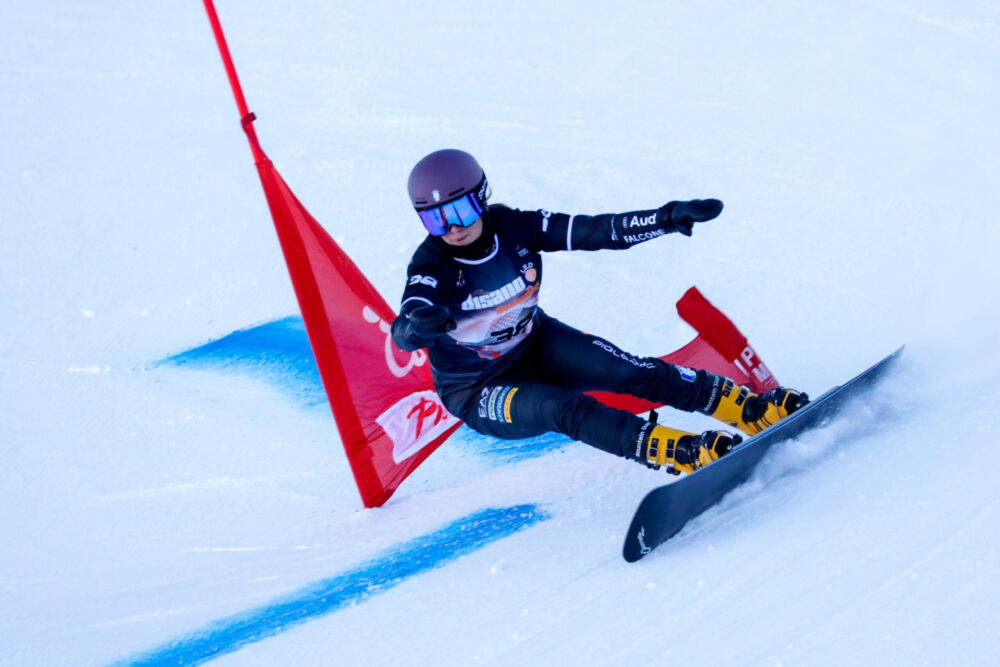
667,509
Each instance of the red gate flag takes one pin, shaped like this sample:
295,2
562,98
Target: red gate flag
719,347
389,417
723,336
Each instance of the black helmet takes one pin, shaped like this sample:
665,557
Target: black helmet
444,176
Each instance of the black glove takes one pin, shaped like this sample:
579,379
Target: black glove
428,322
680,216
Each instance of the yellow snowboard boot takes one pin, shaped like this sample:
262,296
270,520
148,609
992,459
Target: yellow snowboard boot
752,413
685,452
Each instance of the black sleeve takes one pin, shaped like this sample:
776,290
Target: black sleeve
615,231
421,290
549,232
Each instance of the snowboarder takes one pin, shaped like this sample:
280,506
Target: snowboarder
508,369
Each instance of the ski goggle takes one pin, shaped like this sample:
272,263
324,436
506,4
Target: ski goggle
463,212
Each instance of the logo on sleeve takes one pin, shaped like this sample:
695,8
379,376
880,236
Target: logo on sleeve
632,239
636,221
418,279
545,219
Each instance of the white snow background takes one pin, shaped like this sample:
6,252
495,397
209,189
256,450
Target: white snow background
856,147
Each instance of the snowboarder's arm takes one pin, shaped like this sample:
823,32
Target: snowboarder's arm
558,231
421,319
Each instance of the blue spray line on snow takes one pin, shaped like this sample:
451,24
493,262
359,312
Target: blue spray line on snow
381,574
279,354
276,352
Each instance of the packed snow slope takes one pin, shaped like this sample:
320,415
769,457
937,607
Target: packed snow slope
172,490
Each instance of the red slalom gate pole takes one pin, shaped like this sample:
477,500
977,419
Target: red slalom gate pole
246,116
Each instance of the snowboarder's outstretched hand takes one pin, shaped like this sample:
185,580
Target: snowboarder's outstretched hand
680,216
428,322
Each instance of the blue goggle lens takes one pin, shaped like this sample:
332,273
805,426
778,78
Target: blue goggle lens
462,212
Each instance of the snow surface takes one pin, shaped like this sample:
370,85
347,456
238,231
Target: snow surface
153,489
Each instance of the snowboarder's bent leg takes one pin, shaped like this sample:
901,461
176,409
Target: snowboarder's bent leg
528,409
573,360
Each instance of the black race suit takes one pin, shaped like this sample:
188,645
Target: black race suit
511,371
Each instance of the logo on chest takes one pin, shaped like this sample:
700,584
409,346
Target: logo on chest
529,272
496,297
